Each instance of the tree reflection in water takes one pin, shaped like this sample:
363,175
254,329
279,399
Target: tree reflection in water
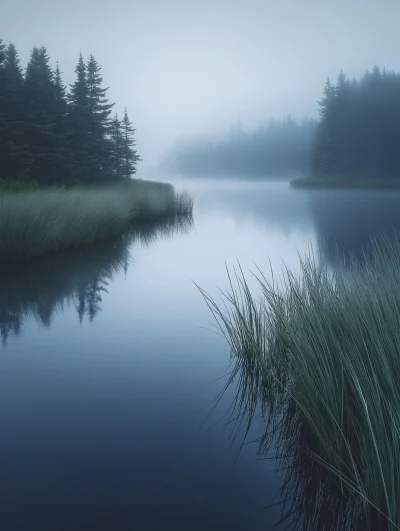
43,286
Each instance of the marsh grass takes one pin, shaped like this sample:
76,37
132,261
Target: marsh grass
40,221
324,348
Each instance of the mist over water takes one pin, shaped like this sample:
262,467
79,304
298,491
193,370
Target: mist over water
110,367
116,405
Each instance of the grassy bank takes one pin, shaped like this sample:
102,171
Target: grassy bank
36,222
324,347
335,181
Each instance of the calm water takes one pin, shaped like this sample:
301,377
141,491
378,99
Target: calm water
109,368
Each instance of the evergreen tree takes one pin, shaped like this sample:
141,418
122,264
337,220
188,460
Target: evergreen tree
14,158
98,103
130,156
60,90
39,86
78,97
3,107
61,105
359,131
117,148
99,112
53,137
2,53
60,125
41,116
322,159
12,68
80,166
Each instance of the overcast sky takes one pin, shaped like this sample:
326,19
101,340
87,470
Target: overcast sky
193,66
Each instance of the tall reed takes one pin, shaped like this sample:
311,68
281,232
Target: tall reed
328,344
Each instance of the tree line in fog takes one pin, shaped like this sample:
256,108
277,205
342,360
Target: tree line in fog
357,135
277,148
53,135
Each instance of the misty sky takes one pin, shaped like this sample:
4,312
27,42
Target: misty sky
198,66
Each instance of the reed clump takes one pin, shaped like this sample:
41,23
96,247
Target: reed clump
325,345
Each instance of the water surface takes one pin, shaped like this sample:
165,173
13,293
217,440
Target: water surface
109,366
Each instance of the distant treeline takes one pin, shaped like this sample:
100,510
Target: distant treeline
356,137
276,149
359,130
53,135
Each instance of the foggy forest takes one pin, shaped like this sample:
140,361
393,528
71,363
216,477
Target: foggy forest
51,135
200,265
357,136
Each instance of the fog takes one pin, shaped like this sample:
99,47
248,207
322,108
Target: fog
195,67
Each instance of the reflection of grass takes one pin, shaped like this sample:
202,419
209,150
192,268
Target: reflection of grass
324,349
340,181
150,231
36,222
42,285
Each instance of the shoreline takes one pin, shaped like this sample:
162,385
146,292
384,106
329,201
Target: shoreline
334,182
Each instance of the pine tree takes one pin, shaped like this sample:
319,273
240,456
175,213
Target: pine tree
80,166
60,125
323,153
3,107
130,156
60,90
2,53
14,158
98,103
61,106
327,101
78,97
12,68
117,148
39,87
41,108
99,112
344,136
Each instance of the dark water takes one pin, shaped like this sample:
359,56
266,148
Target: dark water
108,369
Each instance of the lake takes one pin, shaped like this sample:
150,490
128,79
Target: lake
110,369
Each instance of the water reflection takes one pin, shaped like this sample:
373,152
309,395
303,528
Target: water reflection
347,221
342,221
43,286
271,204
312,497
85,408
